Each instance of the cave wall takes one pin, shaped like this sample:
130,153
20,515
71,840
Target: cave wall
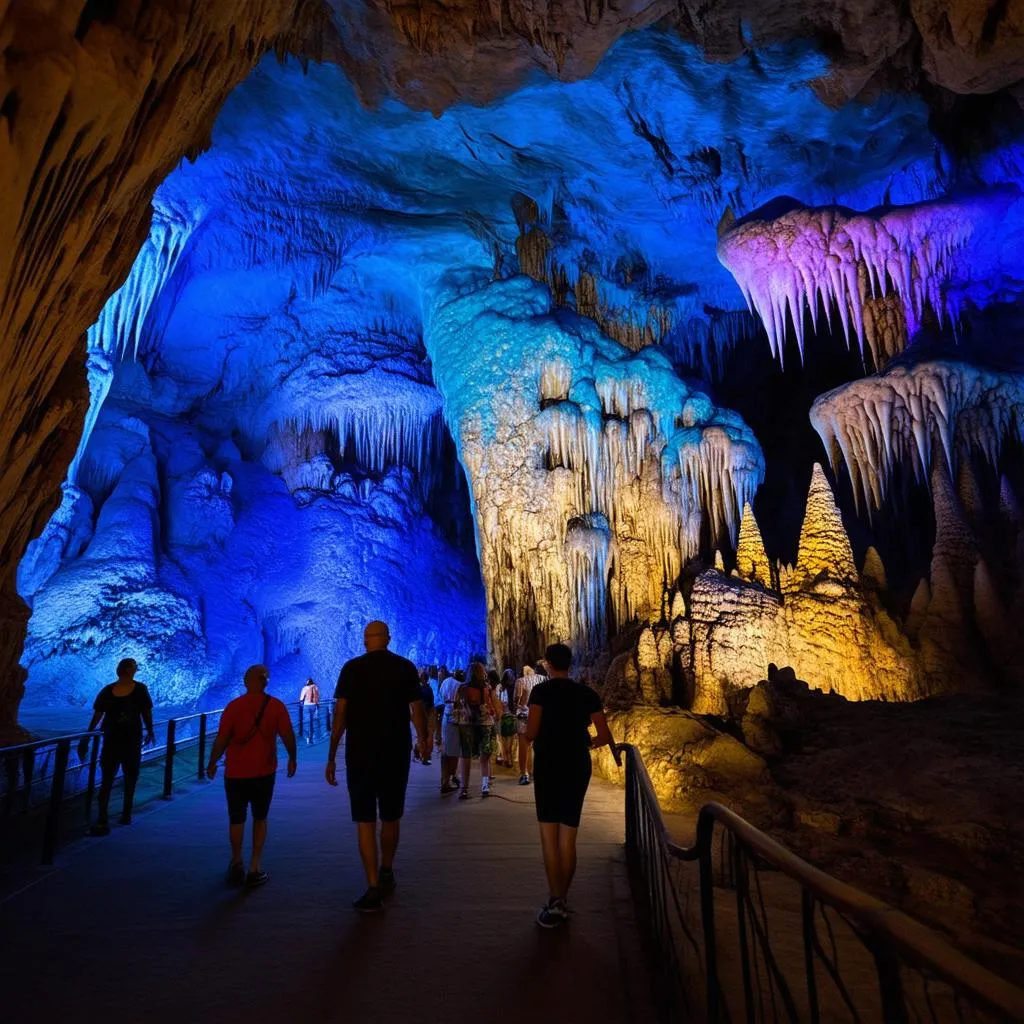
100,103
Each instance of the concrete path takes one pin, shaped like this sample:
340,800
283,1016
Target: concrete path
139,927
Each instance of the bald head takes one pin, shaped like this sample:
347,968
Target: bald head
376,636
256,677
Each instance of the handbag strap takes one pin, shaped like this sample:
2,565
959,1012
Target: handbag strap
256,724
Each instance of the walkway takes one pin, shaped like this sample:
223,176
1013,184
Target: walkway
139,927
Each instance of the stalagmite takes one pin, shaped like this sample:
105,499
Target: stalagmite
911,415
752,562
918,609
874,570
824,551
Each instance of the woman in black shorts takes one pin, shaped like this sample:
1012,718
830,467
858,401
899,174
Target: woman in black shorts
561,713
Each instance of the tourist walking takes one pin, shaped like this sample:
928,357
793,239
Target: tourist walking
123,707
250,727
451,742
507,742
376,695
561,713
524,686
477,712
309,698
427,697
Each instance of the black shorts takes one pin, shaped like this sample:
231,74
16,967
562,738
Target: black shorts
243,792
560,786
376,783
125,754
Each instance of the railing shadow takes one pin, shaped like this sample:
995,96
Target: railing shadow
740,928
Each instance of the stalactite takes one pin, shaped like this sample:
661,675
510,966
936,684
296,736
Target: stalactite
835,260
901,416
120,329
571,427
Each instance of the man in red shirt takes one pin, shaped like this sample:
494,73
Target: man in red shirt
249,728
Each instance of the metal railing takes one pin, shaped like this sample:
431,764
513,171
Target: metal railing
740,928
48,787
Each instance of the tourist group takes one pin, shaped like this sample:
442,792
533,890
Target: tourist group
539,720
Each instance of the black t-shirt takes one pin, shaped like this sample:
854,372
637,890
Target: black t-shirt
122,716
565,722
379,687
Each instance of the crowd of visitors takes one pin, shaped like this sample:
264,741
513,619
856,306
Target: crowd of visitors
537,722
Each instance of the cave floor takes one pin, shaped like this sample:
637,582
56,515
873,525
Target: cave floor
139,926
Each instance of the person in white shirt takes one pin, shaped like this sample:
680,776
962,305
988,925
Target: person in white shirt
309,698
524,687
451,743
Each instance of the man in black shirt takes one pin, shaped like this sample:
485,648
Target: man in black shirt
375,696
561,713
123,707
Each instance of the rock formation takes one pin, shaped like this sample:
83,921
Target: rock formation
101,101
316,297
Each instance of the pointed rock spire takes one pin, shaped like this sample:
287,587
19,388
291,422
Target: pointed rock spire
719,561
1009,506
751,558
874,570
918,609
955,543
969,491
824,551
988,606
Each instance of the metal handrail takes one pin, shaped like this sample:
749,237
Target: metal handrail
36,744
883,928
23,755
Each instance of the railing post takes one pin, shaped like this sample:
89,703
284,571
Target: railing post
90,789
807,916
60,767
202,747
631,809
894,1009
169,762
705,860
302,718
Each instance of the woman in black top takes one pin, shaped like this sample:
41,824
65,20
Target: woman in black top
561,713
123,707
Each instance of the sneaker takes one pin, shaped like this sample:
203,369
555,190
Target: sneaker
387,882
524,779
428,762
464,795
553,915
485,787
454,782
126,819
235,873
370,902
255,879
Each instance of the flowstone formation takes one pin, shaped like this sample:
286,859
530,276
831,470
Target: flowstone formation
594,470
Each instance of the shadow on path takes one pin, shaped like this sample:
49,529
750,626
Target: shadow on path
139,927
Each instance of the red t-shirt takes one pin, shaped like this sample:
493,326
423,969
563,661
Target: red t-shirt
259,755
